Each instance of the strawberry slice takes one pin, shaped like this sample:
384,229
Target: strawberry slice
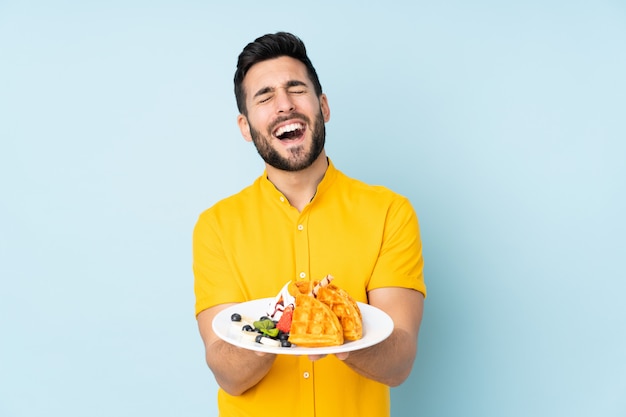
284,324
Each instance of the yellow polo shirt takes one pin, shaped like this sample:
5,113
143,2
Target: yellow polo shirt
249,245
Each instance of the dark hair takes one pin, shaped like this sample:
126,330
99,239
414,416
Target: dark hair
268,47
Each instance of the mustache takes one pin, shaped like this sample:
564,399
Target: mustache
291,116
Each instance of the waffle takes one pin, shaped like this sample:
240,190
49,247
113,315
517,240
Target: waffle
308,287
345,308
314,324
301,287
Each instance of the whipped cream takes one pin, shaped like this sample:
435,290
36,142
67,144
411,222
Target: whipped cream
280,302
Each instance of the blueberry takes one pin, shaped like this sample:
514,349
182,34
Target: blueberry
236,317
247,328
285,343
264,318
258,338
283,336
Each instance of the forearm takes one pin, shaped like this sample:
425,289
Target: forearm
389,362
236,370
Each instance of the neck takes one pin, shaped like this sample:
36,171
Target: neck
300,186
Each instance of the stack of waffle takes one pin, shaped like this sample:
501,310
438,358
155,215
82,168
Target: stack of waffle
324,315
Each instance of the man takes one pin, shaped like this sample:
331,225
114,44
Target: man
301,220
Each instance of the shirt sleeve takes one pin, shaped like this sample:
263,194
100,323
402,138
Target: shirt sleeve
213,277
400,262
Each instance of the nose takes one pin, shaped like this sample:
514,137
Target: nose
284,102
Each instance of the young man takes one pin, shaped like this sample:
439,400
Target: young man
301,220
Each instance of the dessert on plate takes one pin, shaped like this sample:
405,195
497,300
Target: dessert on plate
314,324
316,313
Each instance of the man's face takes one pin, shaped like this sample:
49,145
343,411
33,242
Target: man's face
285,117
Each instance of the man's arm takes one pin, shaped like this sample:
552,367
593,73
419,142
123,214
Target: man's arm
236,370
390,362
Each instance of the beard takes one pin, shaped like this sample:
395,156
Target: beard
298,158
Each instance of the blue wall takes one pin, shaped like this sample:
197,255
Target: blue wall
504,122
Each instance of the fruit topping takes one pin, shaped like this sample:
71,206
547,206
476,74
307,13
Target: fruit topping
265,332
284,324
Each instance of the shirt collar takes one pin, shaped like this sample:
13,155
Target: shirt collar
327,180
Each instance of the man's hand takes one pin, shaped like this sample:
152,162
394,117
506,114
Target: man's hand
236,370
390,361
341,356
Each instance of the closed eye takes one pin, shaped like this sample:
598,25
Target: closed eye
296,87
292,87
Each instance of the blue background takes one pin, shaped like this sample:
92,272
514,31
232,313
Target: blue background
503,122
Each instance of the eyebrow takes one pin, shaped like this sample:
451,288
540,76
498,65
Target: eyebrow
290,83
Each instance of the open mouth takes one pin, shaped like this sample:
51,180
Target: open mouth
290,132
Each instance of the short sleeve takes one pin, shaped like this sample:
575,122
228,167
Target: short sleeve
400,262
213,277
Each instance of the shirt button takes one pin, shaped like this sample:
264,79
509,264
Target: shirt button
305,375
302,274
300,227
282,199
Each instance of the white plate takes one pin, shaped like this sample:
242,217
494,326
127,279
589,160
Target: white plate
377,326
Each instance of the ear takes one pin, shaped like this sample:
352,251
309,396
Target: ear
324,107
244,127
